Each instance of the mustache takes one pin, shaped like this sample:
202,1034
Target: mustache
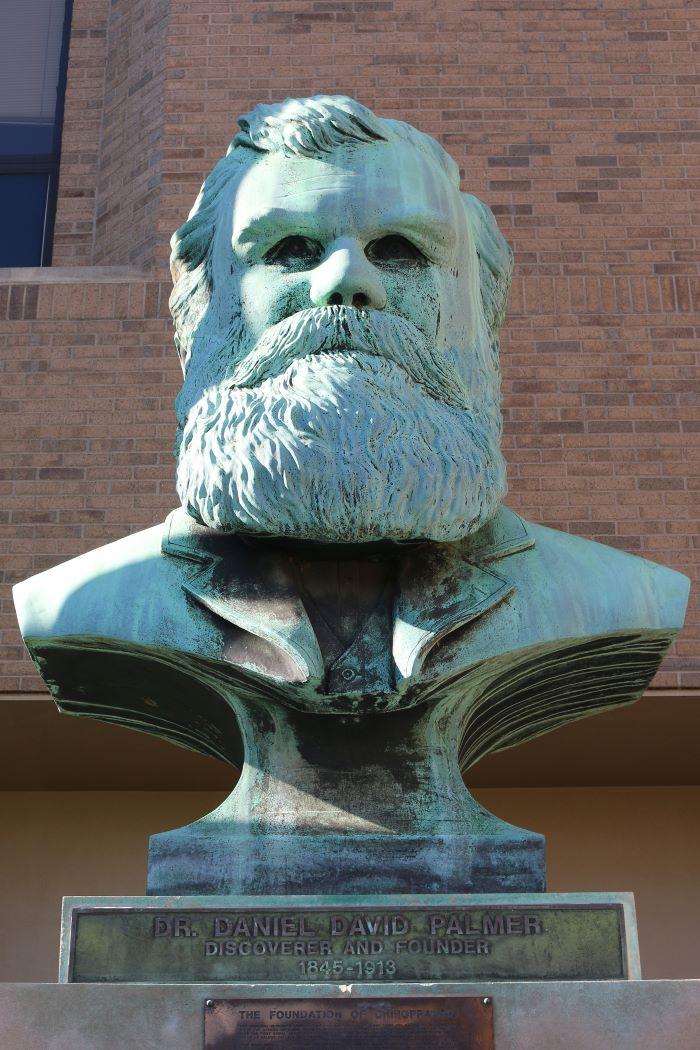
337,329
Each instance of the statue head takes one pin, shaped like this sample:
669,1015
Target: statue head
337,303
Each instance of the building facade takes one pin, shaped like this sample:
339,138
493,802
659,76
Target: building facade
577,123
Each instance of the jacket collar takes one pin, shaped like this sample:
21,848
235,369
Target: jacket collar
441,587
446,585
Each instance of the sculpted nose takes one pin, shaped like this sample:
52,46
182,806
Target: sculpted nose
346,277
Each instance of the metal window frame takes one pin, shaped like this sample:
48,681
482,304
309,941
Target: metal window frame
47,163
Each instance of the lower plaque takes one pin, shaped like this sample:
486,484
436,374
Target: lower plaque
440,1022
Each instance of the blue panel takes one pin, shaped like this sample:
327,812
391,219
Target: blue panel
26,139
22,211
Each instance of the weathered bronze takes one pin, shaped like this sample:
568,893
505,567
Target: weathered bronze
438,1022
342,607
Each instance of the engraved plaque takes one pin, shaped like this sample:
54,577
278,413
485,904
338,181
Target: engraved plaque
440,1023
373,939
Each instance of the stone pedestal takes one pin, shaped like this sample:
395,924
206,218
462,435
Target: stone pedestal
572,1015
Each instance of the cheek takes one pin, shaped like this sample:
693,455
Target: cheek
429,298
414,295
460,318
268,296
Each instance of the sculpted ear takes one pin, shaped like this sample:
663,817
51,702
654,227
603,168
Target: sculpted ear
495,260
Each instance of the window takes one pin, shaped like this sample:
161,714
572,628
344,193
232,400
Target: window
33,59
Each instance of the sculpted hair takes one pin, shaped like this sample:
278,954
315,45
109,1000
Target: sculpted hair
312,127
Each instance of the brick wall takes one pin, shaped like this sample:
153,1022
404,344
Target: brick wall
82,132
109,190
576,121
89,379
128,190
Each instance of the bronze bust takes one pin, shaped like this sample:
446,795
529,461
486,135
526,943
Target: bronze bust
342,606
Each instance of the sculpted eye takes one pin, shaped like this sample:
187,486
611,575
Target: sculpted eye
394,249
294,251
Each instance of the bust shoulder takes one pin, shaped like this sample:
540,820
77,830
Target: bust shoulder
560,587
125,589
581,628
598,588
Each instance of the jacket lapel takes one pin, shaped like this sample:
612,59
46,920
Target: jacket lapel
250,587
446,586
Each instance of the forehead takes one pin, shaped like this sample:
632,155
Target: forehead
365,185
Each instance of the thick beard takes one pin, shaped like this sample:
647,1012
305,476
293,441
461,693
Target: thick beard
340,447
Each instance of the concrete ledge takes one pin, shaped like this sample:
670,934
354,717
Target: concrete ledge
76,274
626,1015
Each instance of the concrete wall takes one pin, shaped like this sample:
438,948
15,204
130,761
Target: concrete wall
646,840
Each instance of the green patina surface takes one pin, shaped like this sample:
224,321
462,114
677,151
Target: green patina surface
337,306
393,938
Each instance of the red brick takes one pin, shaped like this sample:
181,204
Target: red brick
576,127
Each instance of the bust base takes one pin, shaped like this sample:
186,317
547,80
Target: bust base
184,862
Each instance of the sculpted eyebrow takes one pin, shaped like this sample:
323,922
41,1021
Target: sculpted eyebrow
423,226
273,225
